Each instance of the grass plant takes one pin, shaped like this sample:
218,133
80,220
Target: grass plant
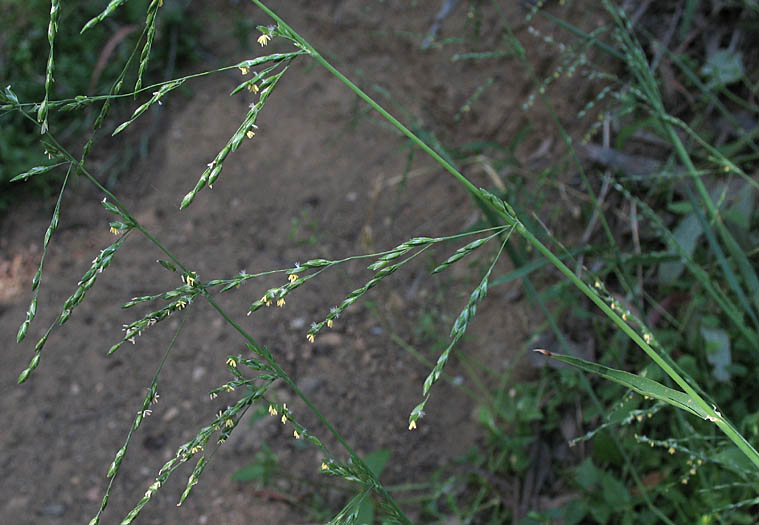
684,411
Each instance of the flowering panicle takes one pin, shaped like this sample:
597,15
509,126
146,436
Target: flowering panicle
461,253
294,280
267,33
349,300
633,416
383,268
52,29
401,250
99,263
32,310
178,299
347,471
116,227
154,99
224,423
457,332
260,84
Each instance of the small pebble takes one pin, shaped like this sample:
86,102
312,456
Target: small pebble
170,414
198,372
54,510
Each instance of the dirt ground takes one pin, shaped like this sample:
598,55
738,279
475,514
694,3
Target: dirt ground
322,178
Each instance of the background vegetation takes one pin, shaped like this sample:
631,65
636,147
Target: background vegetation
91,66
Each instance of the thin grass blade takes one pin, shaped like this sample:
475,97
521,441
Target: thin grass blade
642,385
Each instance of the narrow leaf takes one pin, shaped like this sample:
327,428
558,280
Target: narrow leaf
166,264
38,170
640,384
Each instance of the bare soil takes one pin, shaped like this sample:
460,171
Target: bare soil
323,177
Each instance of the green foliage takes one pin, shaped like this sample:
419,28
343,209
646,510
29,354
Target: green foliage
260,471
705,330
83,66
706,310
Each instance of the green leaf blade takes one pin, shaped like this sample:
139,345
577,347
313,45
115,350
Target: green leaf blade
640,384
